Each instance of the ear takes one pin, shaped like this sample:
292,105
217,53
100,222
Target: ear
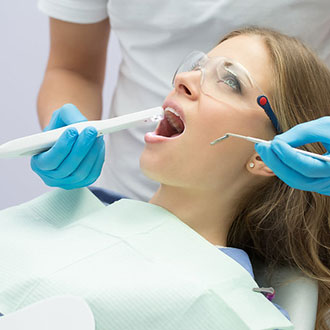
256,166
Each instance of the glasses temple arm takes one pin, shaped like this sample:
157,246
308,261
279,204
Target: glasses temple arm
263,102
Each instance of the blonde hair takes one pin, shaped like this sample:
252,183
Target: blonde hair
279,224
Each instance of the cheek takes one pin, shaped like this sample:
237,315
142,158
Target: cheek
231,155
217,120
214,122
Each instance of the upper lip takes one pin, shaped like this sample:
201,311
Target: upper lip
172,104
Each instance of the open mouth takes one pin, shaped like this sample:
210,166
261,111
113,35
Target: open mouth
172,125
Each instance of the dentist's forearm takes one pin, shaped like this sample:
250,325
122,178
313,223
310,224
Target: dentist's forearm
62,86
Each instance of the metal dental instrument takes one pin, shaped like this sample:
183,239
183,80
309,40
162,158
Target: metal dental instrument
256,140
36,143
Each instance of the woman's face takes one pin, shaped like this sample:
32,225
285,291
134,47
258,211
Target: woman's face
188,160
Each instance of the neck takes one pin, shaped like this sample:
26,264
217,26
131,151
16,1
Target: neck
208,213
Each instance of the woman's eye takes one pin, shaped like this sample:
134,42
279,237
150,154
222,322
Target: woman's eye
233,83
193,67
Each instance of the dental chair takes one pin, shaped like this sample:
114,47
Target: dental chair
296,293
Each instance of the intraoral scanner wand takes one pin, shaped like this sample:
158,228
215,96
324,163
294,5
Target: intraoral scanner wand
256,140
36,143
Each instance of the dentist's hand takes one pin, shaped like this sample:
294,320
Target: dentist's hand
295,169
75,160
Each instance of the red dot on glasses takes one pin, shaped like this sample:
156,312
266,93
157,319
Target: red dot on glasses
263,101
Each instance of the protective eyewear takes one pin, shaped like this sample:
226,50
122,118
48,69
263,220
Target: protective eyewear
226,81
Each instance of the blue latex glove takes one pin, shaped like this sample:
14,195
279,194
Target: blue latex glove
297,170
75,160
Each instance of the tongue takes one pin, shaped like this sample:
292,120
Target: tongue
165,129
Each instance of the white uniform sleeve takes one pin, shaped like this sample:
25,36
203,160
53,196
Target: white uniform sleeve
75,11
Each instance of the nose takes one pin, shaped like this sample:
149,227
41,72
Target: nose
188,83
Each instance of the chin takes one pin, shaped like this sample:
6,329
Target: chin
150,166
158,169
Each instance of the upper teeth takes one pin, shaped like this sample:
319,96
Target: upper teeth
172,110
175,123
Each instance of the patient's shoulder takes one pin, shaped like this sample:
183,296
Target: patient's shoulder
239,256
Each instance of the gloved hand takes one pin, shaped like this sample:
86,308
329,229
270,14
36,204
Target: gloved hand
295,169
75,160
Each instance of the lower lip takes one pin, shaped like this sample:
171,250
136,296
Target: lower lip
152,137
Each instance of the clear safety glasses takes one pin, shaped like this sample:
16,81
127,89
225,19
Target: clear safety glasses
226,81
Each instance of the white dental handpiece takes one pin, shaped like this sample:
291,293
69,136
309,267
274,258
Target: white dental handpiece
36,143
